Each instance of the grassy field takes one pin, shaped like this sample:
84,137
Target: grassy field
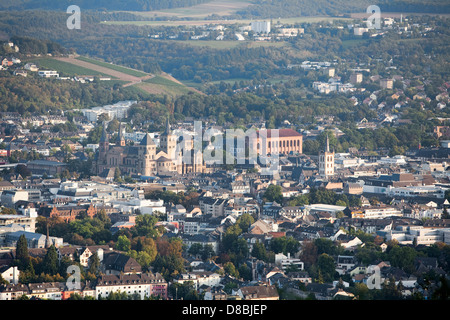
65,68
162,85
163,81
129,71
218,7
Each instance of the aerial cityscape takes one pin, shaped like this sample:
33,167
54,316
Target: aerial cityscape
232,150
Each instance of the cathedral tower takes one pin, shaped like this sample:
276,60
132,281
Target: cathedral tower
147,153
168,141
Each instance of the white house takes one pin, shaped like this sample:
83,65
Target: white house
10,274
286,261
199,278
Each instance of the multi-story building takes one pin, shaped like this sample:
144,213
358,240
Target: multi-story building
387,83
374,212
144,284
356,78
216,207
260,26
199,278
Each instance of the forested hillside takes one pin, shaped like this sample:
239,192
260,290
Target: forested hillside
295,8
258,9
129,5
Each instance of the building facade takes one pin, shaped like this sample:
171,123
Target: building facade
145,285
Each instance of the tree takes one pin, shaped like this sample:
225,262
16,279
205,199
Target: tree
94,263
207,252
443,292
22,251
245,221
309,253
145,225
245,272
445,213
259,251
403,257
195,249
326,267
117,175
231,270
50,263
123,243
274,193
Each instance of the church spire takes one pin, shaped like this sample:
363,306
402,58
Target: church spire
328,144
121,137
167,130
47,239
104,137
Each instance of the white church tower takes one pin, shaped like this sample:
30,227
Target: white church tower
326,162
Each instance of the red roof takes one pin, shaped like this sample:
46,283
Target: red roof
281,133
278,234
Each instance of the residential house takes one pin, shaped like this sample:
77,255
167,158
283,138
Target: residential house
13,292
116,263
202,239
10,274
200,278
46,290
263,292
345,263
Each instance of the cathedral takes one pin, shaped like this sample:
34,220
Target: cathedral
144,159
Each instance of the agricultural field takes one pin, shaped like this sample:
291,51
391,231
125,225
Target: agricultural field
83,66
216,7
164,84
125,70
66,69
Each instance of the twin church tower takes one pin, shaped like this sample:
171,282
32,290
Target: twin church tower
146,158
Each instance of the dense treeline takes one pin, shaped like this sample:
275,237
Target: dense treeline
134,5
38,95
259,8
295,8
35,46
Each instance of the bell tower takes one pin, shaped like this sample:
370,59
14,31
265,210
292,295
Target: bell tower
147,153
168,141
326,161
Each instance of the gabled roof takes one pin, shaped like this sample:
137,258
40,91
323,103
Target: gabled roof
121,262
259,292
147,140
